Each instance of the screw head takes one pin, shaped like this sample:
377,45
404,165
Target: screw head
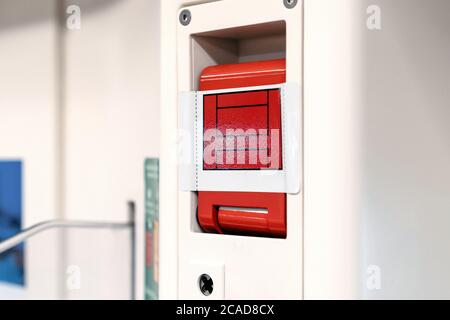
206,284
185,17
290,3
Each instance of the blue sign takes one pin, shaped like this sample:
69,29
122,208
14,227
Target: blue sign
11,262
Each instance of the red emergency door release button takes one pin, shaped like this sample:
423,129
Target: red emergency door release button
250,124
251,213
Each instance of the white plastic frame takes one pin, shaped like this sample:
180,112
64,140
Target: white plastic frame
194,178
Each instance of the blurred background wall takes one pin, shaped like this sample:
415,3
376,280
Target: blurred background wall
111,112
405,132
80,109
387,90
29,117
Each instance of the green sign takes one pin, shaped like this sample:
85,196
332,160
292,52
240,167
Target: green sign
151,168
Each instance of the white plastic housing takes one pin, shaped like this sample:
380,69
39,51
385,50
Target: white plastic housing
254,268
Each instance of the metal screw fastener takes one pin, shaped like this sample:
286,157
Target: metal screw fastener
185,17
290,3
206,284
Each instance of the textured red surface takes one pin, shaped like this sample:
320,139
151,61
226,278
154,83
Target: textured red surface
256,111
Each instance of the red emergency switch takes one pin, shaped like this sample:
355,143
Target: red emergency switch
248,130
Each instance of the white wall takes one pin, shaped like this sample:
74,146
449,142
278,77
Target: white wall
29,122
112,106
377,106
81,108
28,99
405,142
111,113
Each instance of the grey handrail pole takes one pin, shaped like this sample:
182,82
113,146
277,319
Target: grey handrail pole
51,224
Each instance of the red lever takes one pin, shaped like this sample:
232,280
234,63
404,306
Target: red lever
243,212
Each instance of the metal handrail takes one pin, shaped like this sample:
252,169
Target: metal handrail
76,224
51,224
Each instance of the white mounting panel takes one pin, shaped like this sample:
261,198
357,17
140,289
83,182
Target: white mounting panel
254,267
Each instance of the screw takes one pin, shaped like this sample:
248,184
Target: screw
185,17
206,284
290,3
